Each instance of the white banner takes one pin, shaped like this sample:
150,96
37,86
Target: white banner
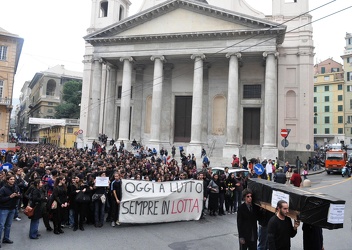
45,121
154,202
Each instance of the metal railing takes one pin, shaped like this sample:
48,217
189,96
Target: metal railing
5,101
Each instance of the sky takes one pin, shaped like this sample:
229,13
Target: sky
53,31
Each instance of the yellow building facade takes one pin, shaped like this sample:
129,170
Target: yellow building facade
60,136
10,51
328,103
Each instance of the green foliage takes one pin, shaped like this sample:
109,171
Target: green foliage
71,98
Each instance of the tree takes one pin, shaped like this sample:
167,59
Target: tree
71,98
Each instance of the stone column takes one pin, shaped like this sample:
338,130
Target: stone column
125,99
138,104
270,100
233,100
197,101
95,99
102,119
157,98
110,99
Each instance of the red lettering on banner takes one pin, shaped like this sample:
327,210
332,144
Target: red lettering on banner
184,206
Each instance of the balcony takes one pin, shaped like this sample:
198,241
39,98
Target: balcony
5,101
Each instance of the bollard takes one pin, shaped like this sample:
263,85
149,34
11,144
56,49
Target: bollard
307,183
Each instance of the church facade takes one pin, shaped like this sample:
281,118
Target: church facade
184,72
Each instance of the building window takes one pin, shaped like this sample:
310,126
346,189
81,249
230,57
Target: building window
339,87
340,119
69,130
252,91
326,88
327,131
339,108
322,70
326,78
1,87
315,99
315,131
349,76
327,119
3,53
335,70
349,59
340,130
315,109
315,89
326,98
349,119
315,120
327,109
315,79
50,103
119,92
104,8
349,88
339,97
50,110
350,103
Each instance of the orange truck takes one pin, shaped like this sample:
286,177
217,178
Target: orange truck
335,160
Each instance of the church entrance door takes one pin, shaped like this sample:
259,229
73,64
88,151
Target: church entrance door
183,118
251,126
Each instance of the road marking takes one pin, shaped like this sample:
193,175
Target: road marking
337,183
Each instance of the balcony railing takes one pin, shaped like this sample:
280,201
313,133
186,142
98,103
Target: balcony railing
5,101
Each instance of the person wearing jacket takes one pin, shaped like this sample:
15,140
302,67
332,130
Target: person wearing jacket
36,198
60,196
9,196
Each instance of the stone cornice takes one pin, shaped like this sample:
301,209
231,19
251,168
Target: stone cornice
255,25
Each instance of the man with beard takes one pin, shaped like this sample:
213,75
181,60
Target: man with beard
280,229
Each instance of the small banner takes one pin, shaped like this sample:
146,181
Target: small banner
155,202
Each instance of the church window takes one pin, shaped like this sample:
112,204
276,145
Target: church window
119,92
121,13
252,91
3,53
104,8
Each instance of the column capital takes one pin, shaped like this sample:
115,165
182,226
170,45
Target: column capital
111,66
201,56
139,67
237,54
129,58
162,58
97,59
267,53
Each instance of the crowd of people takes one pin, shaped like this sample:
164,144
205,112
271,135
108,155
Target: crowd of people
60,184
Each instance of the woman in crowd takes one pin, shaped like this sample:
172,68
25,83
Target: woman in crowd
36,199
289,175
222,192
230,194
240,183
99,205
79,208
213,190
60,197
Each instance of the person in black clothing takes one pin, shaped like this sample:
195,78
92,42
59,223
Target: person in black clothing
247,222
280,176
79,208
312,237
115,201
213,191
60,196
280,229
205,183
222,192
263,219
99,206
9,196
36,198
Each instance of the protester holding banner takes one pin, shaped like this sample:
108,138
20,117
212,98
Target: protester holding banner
214,188
99,203
115,201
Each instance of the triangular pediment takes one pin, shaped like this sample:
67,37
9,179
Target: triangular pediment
176,18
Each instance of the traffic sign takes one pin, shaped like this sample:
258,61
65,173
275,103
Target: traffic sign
284,133
7,166
307,146
258,169
284,143
3,151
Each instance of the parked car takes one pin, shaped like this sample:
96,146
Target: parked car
221,170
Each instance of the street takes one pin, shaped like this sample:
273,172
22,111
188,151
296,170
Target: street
218,232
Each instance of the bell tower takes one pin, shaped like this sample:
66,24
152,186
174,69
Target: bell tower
290,7
107,12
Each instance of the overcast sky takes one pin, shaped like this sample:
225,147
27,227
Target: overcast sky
53,31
